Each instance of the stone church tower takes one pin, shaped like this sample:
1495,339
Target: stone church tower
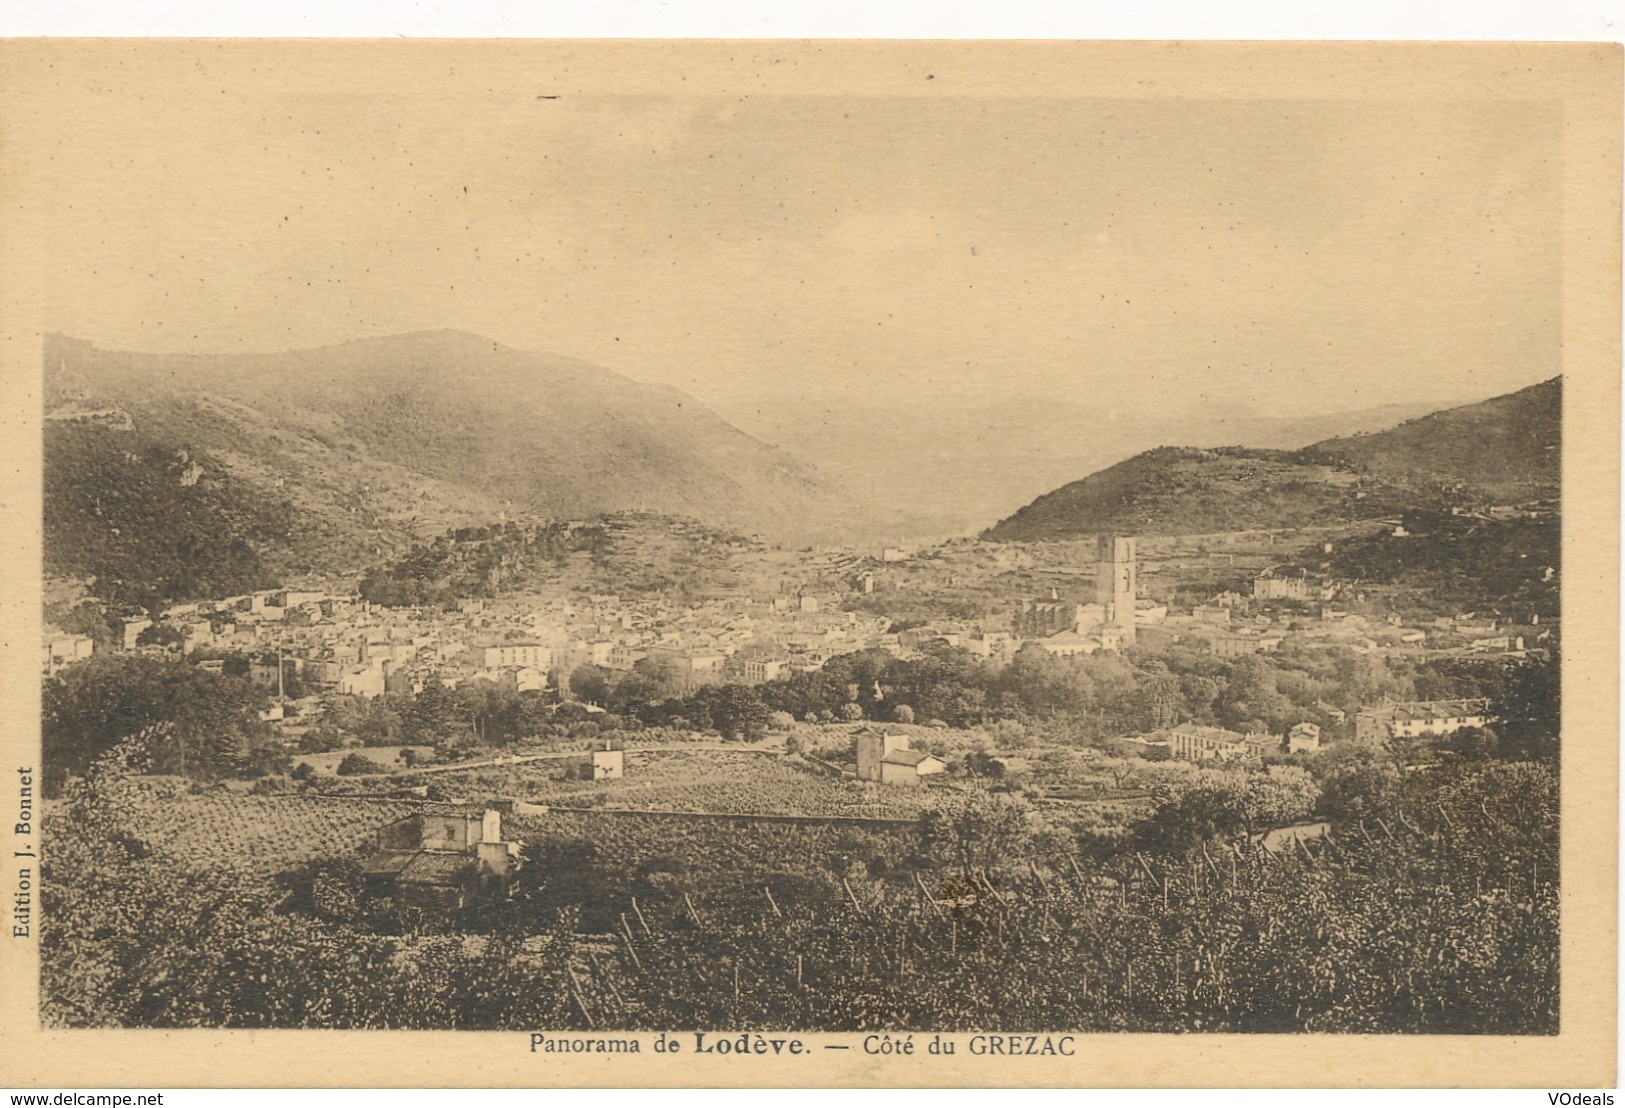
1117,582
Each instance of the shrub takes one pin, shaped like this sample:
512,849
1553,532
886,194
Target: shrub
356,764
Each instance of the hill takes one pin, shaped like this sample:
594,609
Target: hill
372,446
625,553
1504,450
151,522
1462,563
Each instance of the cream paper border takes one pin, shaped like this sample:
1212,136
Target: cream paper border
1585,78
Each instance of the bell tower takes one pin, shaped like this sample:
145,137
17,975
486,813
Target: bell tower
1117,582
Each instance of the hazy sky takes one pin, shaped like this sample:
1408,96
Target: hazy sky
767,252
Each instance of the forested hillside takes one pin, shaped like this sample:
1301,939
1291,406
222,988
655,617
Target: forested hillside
153,521
1505,450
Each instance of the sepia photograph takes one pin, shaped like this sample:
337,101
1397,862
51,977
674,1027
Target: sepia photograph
767,546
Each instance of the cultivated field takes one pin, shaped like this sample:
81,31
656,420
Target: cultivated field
725,782
221,831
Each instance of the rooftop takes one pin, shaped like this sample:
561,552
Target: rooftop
437,867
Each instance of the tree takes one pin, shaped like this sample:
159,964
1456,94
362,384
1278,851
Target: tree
336,890
1225,804
903,714
589,684
160,634
659,678
735,710
850,712
1357,782
1366,679
293,682
1204,813
185,720
356,765
1468,742
637,692
434,714
1158,701
375,722
1530,710
1201,693
320,739
493,712
983,834
979,763
1251,694
1278,796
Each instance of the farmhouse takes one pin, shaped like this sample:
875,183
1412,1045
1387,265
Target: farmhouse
907,767
1194,743
1303,739
1431,717
446,856
886,757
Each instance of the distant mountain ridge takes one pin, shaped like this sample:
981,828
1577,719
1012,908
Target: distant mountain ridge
375,444
985,456
1507,449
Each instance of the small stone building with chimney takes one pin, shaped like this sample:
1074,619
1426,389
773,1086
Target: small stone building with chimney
885,757
445,856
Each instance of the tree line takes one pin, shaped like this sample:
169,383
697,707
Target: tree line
1087,699
206,725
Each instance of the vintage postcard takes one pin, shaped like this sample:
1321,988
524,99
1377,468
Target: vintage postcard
809,564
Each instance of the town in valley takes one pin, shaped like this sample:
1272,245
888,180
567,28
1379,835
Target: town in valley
1007,543
633,770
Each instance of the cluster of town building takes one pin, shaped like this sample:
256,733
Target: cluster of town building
1284,608
531,642
1193,742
